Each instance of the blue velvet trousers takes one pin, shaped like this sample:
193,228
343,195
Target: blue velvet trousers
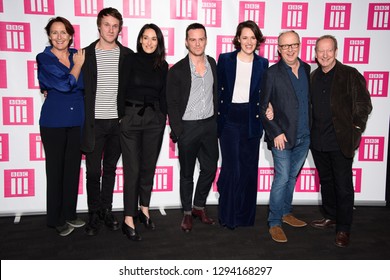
237,183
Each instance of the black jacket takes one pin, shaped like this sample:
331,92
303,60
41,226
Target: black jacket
350,106
178,92
90,83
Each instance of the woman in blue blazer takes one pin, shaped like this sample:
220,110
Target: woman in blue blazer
239,126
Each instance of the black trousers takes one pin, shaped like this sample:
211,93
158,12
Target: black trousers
198,141
63,157
141,139
335,172
106,154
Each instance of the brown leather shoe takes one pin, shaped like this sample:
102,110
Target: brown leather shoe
201,214
323,223
292,221
186,223
342,239
277,234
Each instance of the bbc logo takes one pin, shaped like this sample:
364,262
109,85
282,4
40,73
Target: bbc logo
137,9
308,49
269,49
378,16
184,9
18,111
377,83
19,183
371,148
252,11
212,13
224,44
337,16
40,7
307,181
163,179
15,36
294,15
356,50
87,8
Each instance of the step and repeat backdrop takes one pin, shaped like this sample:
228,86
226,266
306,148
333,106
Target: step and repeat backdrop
361,27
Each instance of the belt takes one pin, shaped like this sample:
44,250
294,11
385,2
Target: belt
199,121
131,104
144,106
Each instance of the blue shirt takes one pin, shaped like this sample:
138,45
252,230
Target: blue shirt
64,104
301,88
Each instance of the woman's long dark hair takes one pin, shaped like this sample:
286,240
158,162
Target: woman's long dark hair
160,50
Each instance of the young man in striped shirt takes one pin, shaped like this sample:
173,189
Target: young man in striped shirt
103,61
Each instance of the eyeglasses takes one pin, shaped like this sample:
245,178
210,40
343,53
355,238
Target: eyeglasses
286,47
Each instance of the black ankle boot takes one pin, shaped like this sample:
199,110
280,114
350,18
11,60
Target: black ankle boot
146,221
130,232
109,219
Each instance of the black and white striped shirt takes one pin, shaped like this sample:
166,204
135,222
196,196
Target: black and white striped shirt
107,83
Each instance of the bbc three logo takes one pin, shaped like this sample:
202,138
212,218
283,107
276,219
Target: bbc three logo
307,182
19,183
163,179
42,7
371,148
15,36
18,111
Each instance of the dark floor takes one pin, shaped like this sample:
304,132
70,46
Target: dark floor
31,239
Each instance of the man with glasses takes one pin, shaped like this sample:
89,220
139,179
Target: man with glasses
286,87
192,108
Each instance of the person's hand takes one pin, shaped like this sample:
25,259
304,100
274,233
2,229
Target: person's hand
44,93
79,57
279,141
269,113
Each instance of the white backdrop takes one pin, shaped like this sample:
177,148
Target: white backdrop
361,27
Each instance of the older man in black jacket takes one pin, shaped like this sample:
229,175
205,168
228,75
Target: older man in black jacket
340,104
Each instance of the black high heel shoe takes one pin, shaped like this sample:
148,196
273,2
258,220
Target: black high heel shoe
130,232
146,221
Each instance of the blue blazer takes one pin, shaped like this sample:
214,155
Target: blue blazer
278,89
226,71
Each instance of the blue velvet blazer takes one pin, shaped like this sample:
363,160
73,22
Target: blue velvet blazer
226,72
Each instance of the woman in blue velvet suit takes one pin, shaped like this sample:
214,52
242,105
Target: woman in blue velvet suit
239,126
